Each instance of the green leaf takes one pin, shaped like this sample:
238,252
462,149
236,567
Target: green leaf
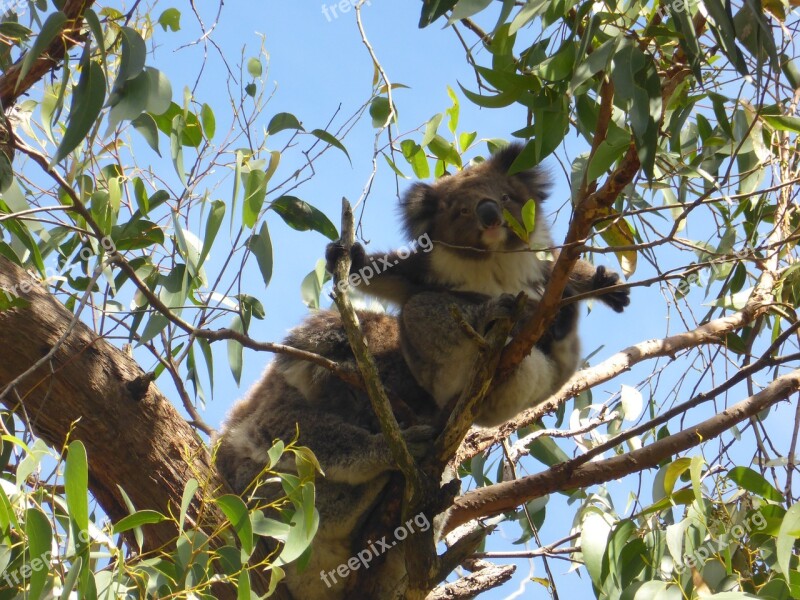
254,67
453,112
176,147
301,216
72,578
300,534
527,13
137,235
255,191
431,128
723,26
76,484
97,32
596,62
283,121
6,172
208,120
672,472
379,111
215,217
186,500
688,38
433,9
235,355
415,156
137,519
159,91
50,29
782,123
752,481
331,139
261,246
87,101
147,128
250,90
787,534
191,135
40,535
311,288
170,18
500,100
620,233
444,151
236,511
243,586
466,8
132,55
465,140
594,541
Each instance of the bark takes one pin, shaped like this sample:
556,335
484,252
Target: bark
11,87
93,392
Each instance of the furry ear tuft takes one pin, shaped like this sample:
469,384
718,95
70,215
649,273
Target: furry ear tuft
418,209
534,179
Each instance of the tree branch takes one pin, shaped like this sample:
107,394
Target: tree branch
11,87
506,496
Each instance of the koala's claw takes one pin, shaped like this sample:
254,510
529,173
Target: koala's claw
501,307
419,439
335,250
616,300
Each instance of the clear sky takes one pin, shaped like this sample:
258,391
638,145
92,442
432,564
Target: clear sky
318,65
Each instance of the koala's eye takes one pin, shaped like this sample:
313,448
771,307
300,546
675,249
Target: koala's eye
506,198
464,211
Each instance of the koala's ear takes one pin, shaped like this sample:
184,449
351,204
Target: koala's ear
535,179
418,209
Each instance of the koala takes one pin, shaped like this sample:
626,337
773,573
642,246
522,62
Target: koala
338,424
472,260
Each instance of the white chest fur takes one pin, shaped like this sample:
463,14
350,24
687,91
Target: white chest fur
499,273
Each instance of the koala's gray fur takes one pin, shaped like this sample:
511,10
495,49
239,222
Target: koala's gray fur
478,264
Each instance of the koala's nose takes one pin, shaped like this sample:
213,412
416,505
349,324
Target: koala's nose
489,213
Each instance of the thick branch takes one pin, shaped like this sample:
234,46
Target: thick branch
91,391
11,88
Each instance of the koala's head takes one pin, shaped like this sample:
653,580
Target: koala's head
466,209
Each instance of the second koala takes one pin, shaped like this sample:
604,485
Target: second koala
474,260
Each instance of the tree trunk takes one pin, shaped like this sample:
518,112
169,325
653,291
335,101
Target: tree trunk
93,392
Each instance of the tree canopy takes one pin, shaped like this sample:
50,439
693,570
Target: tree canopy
138,216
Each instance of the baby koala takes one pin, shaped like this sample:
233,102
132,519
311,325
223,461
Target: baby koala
337,423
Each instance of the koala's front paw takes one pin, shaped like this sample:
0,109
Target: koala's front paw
499,307
419,439
604,278
335,250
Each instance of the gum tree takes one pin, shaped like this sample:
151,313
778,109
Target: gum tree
675,125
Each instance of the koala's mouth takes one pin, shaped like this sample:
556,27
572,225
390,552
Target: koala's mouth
494,236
